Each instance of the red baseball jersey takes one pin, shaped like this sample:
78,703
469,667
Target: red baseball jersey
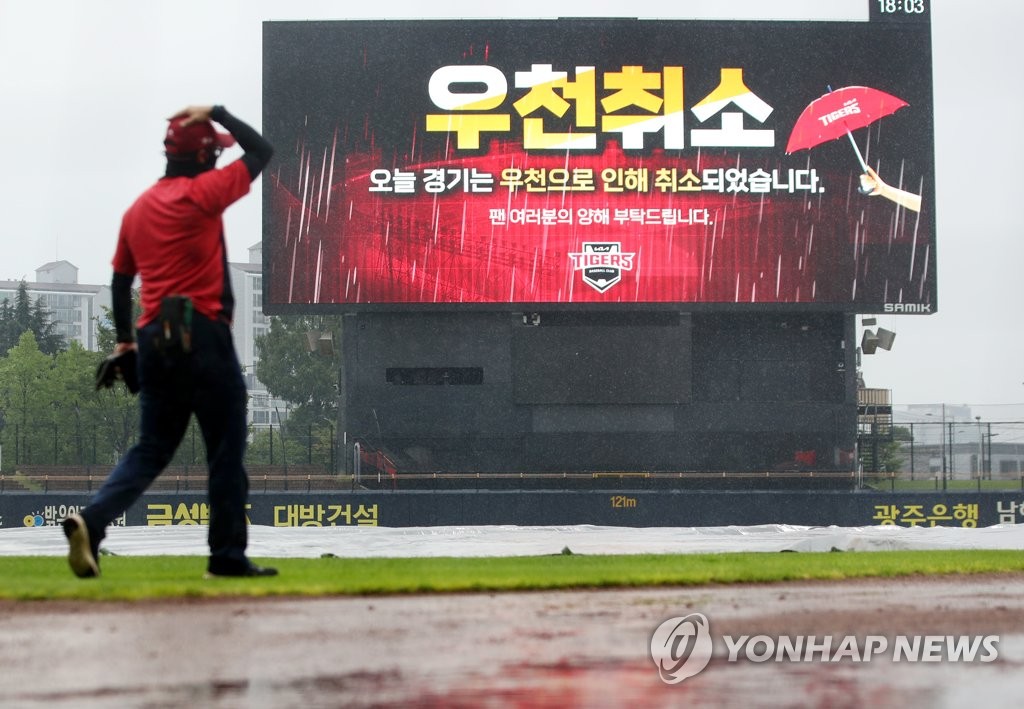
172,236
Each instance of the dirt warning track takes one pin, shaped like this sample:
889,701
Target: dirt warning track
569,648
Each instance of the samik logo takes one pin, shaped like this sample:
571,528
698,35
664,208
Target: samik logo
602,264
920,308
681,647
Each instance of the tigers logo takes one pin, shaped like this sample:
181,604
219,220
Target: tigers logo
602,264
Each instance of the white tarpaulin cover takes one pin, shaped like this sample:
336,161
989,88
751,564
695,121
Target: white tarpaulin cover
312,542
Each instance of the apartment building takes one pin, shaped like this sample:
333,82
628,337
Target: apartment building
74,308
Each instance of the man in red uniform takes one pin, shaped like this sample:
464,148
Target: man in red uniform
172,238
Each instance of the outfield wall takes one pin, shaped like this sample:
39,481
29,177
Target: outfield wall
545,507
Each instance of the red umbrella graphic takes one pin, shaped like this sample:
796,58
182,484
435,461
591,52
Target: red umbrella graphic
838,113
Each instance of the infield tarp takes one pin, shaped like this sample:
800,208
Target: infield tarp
482,541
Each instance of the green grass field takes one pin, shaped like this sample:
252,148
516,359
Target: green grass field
932,484
162,577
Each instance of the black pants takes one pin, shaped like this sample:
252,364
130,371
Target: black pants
206,381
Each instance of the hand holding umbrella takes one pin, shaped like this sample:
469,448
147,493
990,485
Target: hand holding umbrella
873,185
839,113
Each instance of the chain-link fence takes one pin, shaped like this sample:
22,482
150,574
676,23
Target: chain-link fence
919,451
100,445
955,450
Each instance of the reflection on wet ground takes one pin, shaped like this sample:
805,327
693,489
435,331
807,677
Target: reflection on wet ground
564,649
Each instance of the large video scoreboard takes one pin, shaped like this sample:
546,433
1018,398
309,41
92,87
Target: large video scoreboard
601,164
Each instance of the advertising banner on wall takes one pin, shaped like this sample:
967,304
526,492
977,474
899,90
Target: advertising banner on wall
600,163
629,508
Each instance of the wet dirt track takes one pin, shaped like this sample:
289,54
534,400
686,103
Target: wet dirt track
562,649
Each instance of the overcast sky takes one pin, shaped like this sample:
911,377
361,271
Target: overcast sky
85,88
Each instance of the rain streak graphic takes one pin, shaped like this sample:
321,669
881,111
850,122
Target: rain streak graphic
337,242
800,233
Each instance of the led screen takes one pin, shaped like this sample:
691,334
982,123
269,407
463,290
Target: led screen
600,163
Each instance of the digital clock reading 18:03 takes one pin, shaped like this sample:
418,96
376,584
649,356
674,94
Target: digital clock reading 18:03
910,7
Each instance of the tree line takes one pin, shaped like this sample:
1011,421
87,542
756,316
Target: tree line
50,410
52,414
